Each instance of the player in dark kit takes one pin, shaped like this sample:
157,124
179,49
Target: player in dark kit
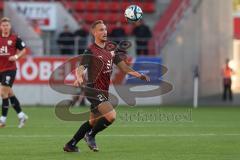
11,49
102,112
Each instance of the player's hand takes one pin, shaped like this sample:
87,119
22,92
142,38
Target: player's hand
78,82
144,78
12,58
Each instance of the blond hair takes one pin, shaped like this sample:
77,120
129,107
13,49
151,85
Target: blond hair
4,19
94,24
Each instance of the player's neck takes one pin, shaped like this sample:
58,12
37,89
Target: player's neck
100,44
6,34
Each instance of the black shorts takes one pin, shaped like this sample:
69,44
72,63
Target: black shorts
7,78
95,98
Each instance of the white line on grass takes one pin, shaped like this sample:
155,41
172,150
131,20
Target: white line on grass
134,126
123,135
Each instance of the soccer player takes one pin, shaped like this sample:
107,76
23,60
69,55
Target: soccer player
102,112
11,49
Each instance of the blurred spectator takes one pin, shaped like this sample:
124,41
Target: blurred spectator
118,33
66,41
36,27
82,36
78,98
227,81
142,34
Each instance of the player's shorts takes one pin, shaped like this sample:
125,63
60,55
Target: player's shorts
95,98
7,78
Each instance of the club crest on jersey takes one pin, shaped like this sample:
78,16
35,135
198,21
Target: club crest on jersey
112,53
9,42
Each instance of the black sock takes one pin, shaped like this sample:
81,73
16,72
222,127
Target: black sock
85,127
5,106
101,124
15,103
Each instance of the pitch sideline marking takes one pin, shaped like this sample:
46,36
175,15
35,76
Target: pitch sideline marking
124,135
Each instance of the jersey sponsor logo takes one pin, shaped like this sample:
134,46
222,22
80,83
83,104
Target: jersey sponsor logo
9,42
112,53
8,78
4,51
23,44
109,66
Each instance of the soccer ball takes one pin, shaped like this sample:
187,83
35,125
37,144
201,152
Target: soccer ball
133,13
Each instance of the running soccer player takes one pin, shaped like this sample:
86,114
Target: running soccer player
102,112
11,49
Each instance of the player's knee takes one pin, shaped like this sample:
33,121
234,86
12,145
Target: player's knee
4,93
92,122
11,94
111,117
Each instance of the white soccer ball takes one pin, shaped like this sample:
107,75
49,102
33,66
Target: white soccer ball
133,13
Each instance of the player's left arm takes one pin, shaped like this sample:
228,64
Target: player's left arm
128,70
21,50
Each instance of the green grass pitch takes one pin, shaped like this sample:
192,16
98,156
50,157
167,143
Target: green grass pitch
139,133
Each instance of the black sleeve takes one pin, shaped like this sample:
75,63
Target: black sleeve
117,59
120,55
20,45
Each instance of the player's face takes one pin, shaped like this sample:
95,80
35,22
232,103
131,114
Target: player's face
100,32
5,27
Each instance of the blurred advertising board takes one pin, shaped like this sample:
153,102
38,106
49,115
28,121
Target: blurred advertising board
41,12
150,66
37,70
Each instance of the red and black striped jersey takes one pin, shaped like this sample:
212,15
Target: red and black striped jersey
8,47
99,63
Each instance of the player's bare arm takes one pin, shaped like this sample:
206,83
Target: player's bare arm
128,70
79,75
17,56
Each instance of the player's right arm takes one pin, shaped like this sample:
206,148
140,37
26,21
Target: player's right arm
21,50
80,70
79,74
19,55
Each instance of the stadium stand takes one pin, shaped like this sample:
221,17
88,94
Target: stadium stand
112,11
167,23
109,11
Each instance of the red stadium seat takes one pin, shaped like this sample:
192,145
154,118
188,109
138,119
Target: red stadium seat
103,16
80,6
114,6
102,6
142,1
80,16
149,7
68,5
91,6
122,18
114,17
90,17
1,5
86,6
125,5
